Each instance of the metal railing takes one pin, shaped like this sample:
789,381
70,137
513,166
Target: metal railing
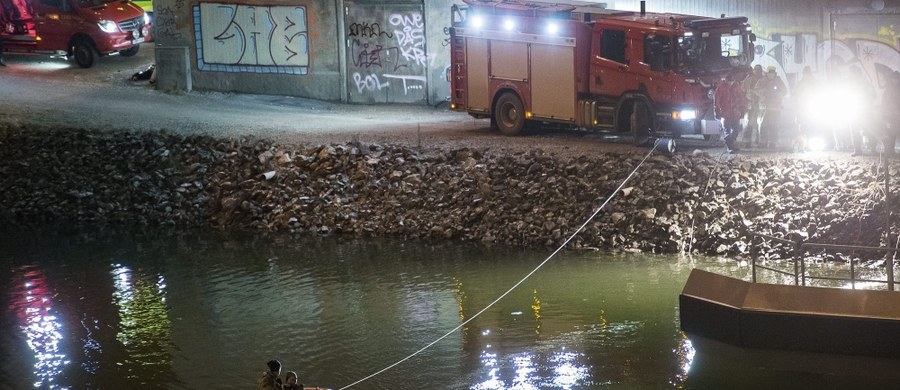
799,260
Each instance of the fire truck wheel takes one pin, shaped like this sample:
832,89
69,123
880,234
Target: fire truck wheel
84,53
640,123
129,52
509,114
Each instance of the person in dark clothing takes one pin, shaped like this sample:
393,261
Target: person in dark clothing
290,381
861,92
731,105
771,91
751,133
890,101
269,379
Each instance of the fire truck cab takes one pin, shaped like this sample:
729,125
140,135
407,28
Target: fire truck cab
83,29
647,74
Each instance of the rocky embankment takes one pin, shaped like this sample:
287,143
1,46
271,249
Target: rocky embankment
673,203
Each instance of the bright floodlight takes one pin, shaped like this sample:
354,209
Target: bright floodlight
508,25
477,21
816,144
552,28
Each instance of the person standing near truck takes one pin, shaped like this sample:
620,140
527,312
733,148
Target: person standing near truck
751,133
730,107
890,100
771,91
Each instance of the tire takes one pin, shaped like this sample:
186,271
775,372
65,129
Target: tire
130,52
84,52
509,114
640,123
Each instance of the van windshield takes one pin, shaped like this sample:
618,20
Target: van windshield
93,3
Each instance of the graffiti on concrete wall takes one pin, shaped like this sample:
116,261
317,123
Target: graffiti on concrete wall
387,56
164,28
251,38
789,54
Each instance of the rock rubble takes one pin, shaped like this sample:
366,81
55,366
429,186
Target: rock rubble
694,203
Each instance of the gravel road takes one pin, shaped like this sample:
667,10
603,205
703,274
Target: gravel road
41,91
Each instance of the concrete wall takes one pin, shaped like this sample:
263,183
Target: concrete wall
358,51
256,46
369,51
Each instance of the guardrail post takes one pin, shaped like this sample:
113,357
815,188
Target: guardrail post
852,275
889,264
889,261
803,270
889,256
753,269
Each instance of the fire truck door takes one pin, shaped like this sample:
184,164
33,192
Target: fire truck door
53,22
610,67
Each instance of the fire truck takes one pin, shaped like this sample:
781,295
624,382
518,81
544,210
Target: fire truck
643,74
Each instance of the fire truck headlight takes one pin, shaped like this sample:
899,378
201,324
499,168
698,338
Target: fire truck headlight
108,26
552,28
508,24
685,115
477,21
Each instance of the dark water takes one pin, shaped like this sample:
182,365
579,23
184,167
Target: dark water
115,311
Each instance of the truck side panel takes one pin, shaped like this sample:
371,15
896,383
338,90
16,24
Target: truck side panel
478,95
509,60
553,81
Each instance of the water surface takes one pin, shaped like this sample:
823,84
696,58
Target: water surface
111,311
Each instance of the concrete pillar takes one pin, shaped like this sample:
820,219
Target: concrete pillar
176,63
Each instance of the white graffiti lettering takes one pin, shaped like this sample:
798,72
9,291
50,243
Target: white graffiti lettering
369,83
413,20
415,55
789,54
408,85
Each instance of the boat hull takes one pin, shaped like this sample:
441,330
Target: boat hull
791,318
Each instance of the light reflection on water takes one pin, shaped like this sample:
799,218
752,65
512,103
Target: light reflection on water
33,304
144,326
208,312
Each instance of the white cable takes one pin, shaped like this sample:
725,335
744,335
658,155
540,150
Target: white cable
519,282
705,190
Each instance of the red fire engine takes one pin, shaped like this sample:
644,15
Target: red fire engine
647,74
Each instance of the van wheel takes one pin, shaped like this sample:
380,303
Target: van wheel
509,114
129,52
640,123
84,53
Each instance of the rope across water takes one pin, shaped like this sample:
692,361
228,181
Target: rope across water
563,245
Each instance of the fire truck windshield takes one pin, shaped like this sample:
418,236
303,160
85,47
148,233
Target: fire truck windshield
704,52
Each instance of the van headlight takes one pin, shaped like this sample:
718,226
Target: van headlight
108,26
